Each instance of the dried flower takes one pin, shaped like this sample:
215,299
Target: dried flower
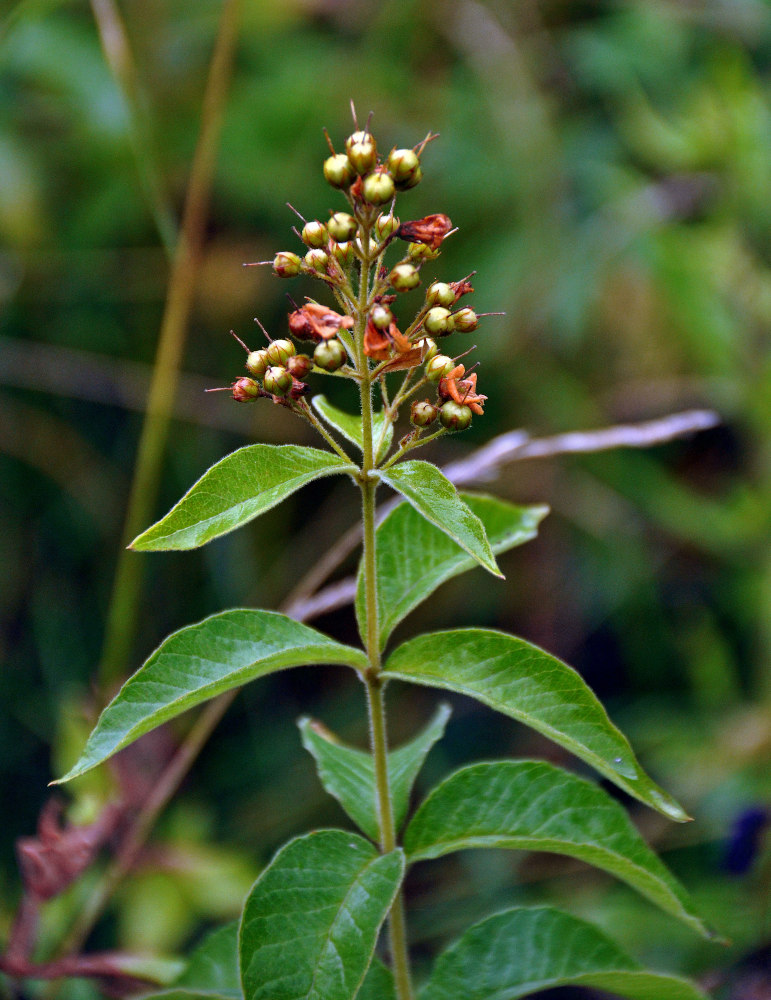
316,322
429,231
462,390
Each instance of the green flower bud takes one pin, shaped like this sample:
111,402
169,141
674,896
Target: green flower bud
440,294
338,171
455,416
421,251
287,264
439,366
429,348
423,414
385,225
299,366
343,253
314,234
316,259
403,163
279,351
363,155
257,363
245,390
378,188
411,181
404,277
438,320
466,320
330,355
381,316
342,227
277,381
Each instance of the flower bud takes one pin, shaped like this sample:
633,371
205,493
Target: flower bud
440,294
257,363
429,348
299,365
403,163
287,264
363,157
419,251
245,390
385,225
338,171
439,366
455,416
465,320
277,381
404,277
330,355
317,259
438,320
416,178
342,227
381,316
314,234
344,253
280,351
423,414
378,188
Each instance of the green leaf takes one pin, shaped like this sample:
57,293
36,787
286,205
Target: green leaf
201,661
238,488
403,581
435,498
212,970
378,983
311,921
526,683
349,774
525,950
531,805
349,425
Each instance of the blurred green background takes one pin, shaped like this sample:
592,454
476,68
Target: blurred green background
608,165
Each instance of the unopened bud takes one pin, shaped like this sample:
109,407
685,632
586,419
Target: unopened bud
385,225
440,294
287,264
257,363
344,253
342,227
299,366
403,163
404,277
330,355
429,348
245,390
438,320
466,320
411,181
317,259
419,251
277,381
455,416
378,188
280,351
439,366
423,414
338,171
363,156
314,234
381,316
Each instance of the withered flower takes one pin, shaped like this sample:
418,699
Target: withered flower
430,231
461,288
316,322
462,390
379,344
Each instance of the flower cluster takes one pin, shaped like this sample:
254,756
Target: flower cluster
361,338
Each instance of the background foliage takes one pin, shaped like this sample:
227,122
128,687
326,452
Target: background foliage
609,167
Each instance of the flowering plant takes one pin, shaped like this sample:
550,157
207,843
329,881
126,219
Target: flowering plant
311,924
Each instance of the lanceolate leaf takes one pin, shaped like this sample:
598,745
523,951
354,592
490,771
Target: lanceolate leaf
212,971
349,425
522,681
349,774
522,951
531,805
403,580
435,498
237,489
198,662
311,921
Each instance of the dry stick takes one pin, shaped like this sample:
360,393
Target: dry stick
124,604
